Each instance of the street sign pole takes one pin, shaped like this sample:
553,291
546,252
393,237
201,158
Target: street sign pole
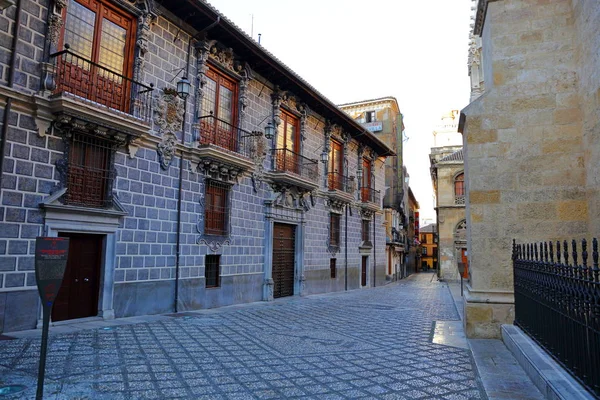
42,370
50,263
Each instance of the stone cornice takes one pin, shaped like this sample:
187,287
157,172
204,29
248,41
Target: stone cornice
480,15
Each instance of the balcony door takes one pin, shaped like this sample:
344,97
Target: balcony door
366,180
288,143
218,113
101,39
336,166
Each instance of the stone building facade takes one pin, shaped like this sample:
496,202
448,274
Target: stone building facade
173,202
429,247
447,176
531,141
382,116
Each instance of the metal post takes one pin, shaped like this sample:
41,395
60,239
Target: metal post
44,348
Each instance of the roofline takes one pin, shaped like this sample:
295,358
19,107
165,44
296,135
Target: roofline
411,195
379,146
378,100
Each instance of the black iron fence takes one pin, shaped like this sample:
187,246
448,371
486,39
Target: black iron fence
337,181
289,161
89,80
557,303
370,195
220,133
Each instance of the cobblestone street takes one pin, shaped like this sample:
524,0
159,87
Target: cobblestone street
372,343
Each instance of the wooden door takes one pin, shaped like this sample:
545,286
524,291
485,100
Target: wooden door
284,251
363,275
366,181
465,260
78,294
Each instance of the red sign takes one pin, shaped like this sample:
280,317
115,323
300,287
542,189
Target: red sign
50,263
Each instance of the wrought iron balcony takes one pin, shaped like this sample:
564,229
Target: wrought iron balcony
88,80
226,149
291,168
217,132
370,195
286,160
337,181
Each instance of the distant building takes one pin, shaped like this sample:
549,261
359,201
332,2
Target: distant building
448,179
412,257
429,247
382,117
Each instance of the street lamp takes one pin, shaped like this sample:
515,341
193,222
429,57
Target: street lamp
269,131
183,88
324,157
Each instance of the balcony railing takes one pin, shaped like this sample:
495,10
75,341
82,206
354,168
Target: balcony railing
89,80
220,133
557,303
337,181
289,161
370,195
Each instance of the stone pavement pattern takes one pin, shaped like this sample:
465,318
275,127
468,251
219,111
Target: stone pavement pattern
372,343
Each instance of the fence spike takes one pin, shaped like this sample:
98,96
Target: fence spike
551,252
584,260
574,252
514,250
566,252
546,252
558,251
595,258
535,251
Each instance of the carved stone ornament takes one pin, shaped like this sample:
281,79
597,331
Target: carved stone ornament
290,197
225,57
366,213
302,285
219,171
60,4
166,150
335,205
213,245
55,25
258,153
168,112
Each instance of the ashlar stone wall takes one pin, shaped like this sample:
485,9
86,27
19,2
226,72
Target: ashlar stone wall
524,146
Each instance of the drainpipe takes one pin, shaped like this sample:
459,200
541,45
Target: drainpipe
180,190
346,250
374,251
11,79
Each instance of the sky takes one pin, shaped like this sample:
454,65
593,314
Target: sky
351,50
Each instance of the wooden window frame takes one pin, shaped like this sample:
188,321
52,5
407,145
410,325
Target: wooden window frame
89,171
334,229
285,117
459,184
218,76
100,15
212,264
336,175
216,222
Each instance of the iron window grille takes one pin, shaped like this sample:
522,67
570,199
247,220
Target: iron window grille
216,208
424,251
212,273
89,173
366,230
334,230
333,268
